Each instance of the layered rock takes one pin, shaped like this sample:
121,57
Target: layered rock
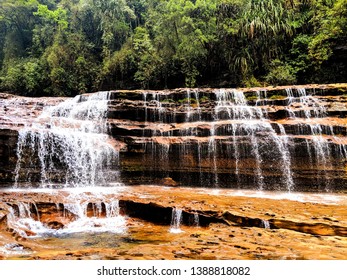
284,138
271,138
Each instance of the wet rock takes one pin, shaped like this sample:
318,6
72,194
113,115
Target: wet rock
55,225
3,220
156,142
168,181
314,229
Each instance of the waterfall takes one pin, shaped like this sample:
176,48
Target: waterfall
236,154
153,107
250,122
265,224
193,109
68,142
212,150
176,220
232,104
196,220
105,218
311,112
221,137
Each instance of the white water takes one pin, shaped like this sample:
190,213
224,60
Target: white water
265,224
246,121
318,148
233,105
70,141
196,220
14,249
72,136
28,224
176,220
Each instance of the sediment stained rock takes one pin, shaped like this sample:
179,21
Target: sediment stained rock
288,138
229,226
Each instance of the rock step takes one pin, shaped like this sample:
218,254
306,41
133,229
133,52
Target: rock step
55,216
251,93
262,139
138,112
328,126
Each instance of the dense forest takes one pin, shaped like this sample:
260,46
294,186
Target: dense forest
66,47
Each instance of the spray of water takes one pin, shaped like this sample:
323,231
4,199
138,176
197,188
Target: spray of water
69,144
176,220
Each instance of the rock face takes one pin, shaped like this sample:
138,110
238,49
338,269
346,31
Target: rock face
285,138
276,138
15,113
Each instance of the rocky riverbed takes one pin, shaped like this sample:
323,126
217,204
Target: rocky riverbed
257,173
231,225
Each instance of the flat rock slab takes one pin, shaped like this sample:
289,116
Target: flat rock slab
234,225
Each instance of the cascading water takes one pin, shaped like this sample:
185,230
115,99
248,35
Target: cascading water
176,220
226,137
263,143
105,217
265,224
69,144
308,103
250,122
235,139
196,220
262,146
312,112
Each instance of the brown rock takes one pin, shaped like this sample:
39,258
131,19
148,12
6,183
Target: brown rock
168,181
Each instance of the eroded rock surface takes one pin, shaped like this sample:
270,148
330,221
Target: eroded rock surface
230,226
280,139
275,138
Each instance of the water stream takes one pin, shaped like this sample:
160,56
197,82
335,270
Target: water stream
69,138
176,220
215,141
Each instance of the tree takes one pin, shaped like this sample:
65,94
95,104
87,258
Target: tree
184,33
254,33
145,56
114,19
330,21
65,47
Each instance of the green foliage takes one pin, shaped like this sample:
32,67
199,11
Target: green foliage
145,56
113,18
280,74
276,96
168,100
184,33
258,31
24,75
60,47
57,17
251,97
330,22
250,81
300,59
70,65
188,101
119,66
204,99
